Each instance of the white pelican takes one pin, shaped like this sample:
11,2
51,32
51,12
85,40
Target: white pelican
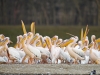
55,51
4,47
28,53
33,49
18,45
45,53
11,52
71,52
2,37
79,51
14,55
64,55
94,58
93,42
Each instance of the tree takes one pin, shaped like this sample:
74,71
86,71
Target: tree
98,5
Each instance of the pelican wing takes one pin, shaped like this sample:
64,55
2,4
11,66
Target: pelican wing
65,55
12,51
80,52
45,51
34,50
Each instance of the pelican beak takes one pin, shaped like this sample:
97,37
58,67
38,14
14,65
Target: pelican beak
59,42
85,33
99,47
66,43
11,41
22,41
23,27
44,44
39,43
97,61
15,46
33,28
2,43
84,49
81,34
28,37
54,38
98,40
2,37
34,38
47,42
90,45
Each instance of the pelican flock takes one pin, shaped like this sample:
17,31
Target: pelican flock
33,48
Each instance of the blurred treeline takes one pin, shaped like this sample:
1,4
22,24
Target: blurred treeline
50,12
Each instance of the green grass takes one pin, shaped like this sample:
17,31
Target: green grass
14,31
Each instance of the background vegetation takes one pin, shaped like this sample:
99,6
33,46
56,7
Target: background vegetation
50,12
14,31
52,17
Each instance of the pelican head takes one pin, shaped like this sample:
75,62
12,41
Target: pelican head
30,35
59,41
54,39
7,40
93,37
76,37
24,39
19,38
2,37
36,37
48,41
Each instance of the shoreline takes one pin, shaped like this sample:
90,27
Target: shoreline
24,69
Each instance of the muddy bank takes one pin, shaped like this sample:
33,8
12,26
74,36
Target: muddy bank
26,69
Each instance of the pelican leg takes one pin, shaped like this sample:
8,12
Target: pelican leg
12,61
31,61
44,57
24,58
75,61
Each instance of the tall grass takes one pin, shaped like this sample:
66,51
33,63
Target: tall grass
14,31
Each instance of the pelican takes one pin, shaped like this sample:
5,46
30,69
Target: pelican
71,52
18,45
33,49
4,47
94,58
80,52
45,53
55,51
14,55
2,37
65,56
93,42
28,53
11,52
